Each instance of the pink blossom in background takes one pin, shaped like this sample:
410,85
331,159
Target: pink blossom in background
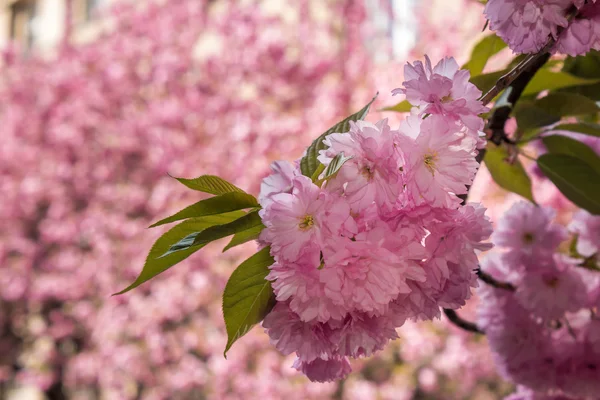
587,229
583,33
545,323
526,25
528,231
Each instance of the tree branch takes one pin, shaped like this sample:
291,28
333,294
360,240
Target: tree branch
461,323
490,280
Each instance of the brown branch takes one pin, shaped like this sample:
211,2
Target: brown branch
496,123
461,323
490,280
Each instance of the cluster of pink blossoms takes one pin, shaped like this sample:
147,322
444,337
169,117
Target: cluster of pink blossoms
525,25
384,240
545,333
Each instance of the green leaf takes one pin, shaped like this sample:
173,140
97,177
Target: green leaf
248,296
558,144
486,48
202,238
590,91
318,171
309,163
584,128
210,184
403,106
244,236
155,265
529,116
545,79
336,163
485,82
586,66
511,177
578,181
231,201
563,104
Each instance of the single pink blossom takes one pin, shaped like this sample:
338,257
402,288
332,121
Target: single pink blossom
440,163
372,175
549,289
443,90
297,223
527,230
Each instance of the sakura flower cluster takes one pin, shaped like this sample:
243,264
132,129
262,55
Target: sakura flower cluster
383,240
527,25
544,333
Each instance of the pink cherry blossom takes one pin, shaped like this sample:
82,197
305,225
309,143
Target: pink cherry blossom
310,341
280,181
583,33
549,289
301,284
443,90
297,223
545,321
528,230
525,25
324,370
587,229
440,163
360,335
372,175
364,275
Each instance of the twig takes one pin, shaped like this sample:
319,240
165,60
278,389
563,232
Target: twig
461,323
517,86
490,280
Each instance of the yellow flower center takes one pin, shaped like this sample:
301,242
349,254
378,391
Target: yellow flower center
429,159
307,223
446,99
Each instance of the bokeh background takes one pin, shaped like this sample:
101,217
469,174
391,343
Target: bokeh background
101,100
